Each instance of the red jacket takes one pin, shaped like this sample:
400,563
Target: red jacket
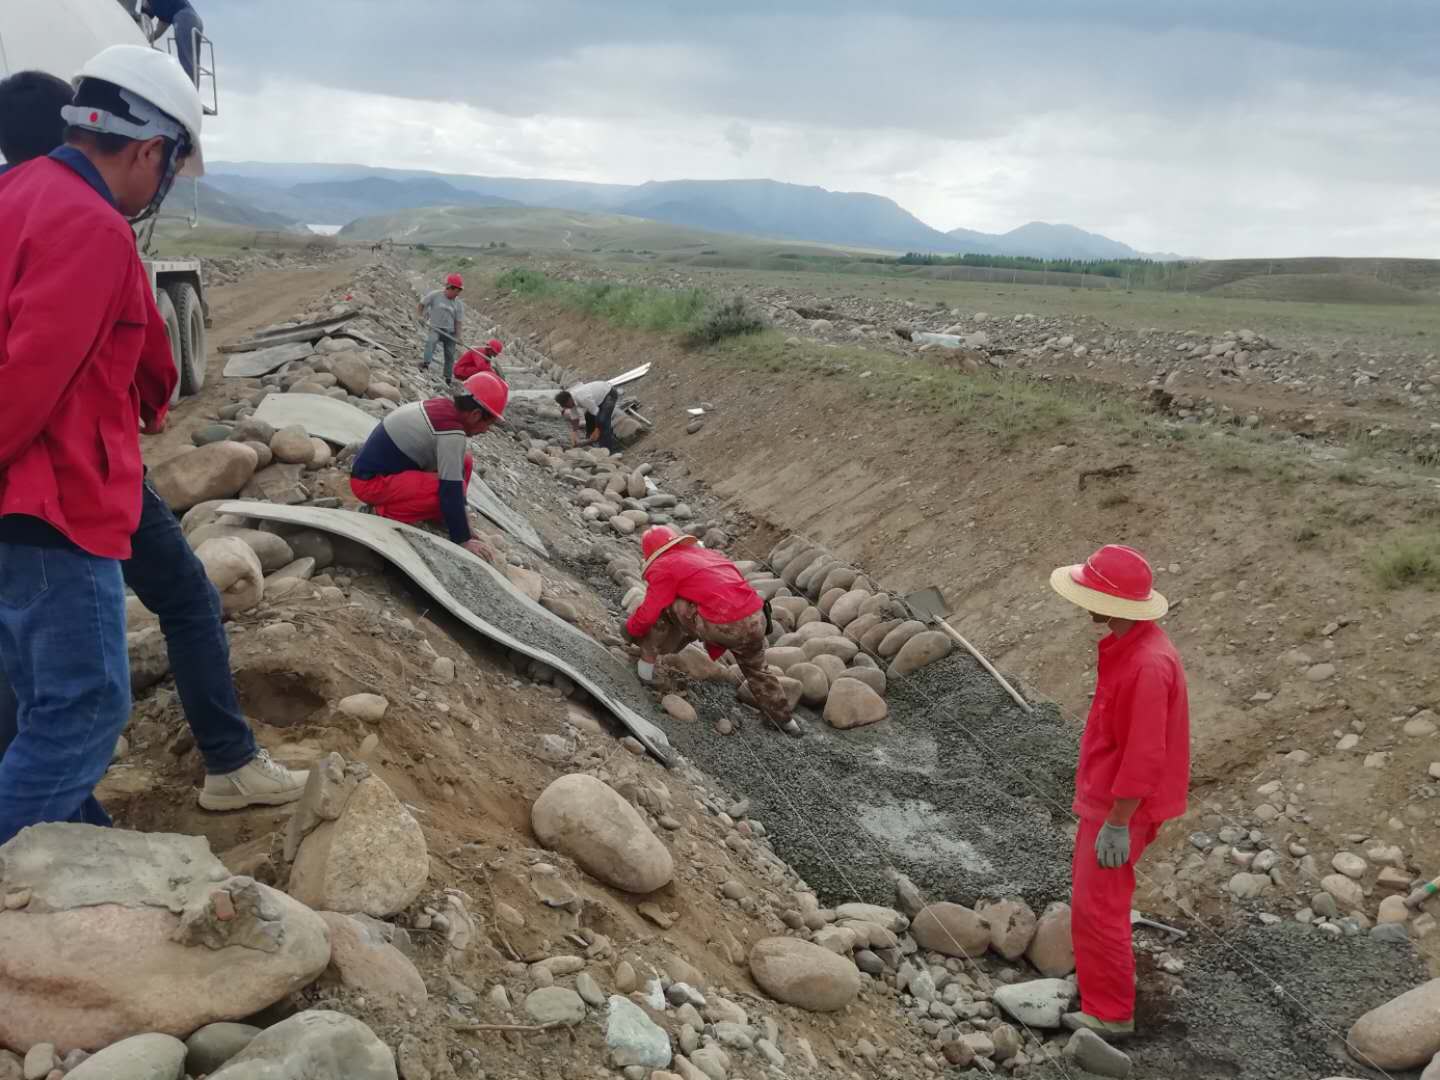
1137,738
706,578
75,319
473,362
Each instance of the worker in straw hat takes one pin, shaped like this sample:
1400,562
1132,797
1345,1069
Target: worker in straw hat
1133,774
692,593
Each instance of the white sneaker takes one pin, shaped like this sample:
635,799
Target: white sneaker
263,782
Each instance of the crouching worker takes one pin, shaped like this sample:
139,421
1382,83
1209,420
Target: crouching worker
692,594
594,402
475,361
414,466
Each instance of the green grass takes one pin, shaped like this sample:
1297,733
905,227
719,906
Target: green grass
1407,561
635,307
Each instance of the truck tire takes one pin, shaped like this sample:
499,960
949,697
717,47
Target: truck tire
190,318
172,331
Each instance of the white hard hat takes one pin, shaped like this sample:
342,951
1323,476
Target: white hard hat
158,80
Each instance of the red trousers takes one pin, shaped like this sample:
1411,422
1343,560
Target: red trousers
406,497
1100,924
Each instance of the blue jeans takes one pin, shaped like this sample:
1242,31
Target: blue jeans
434,339
170,581
62,648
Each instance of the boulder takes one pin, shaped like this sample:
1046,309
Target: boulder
797,565
215,1044
278,484
371,859
842,578
677,708
313,1045
385,390
1052,951
272,551
832,666
1012,927
633,1039
263,454
951,929
1404,1033
140,1057
785,657
862,625
814,684
827,601
870,676
1346,891
363,960
895,640
252,430
555,1005
322,455
815,630
885,917
922,649
127,934
872,639
217,471
352,371
292,446
853,704
1036,1004
234,569
802,974
842,647
809,580
589,821
847,609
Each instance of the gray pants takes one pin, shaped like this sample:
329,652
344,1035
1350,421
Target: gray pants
188,27
434,339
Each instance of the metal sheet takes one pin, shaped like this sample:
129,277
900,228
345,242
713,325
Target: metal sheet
263,361
304,332
483,499
334,421
631,375
389,539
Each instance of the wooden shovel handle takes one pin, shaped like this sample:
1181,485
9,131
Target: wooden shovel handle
1029,709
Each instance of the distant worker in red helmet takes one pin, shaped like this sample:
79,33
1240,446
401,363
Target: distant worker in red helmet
482,359
414,467
692,593
1133,775
445,314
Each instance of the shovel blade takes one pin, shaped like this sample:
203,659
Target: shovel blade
927,604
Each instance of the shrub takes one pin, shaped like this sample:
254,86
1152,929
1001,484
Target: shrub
733,318
1412,560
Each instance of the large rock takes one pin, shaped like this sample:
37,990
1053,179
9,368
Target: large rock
951,929
813,630
633,1039
853,704
217,471
215,1044
1036,1004
363,960
814,683
842,647
589,821
805,975
127,933
1012,927
272,550
1052,951
785,657
313,1045
370,860
353,372
1401,1034
847,609
278,484
897,638
1346,891
140,1057
149,660
292,446
234,569
922,649
871,677
555,1005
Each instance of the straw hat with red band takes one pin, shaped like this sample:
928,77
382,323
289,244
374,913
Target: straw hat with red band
659,540
1115,582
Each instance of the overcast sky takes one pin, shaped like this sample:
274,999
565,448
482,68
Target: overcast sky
1223,128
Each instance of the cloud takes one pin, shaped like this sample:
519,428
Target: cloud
1209,129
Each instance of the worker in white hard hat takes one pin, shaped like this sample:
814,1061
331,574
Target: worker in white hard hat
77,317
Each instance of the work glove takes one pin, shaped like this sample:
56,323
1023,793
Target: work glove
1112,846
645,670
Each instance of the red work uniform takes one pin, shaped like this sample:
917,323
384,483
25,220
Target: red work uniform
707,579
1136,746
474,362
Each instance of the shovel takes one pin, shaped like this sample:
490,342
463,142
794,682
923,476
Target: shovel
928,605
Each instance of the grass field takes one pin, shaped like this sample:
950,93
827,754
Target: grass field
227,240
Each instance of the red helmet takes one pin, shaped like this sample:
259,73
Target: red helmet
455,281
490,391
659,539
1116,581
494,347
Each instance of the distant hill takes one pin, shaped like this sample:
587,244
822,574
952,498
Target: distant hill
221,207
1316,280
1041,240
336,201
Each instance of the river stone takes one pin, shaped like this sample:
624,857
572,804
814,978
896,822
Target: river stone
827,601
1095,1055
840,578
234,569
368,707
555,1005
799,973
313,1045
363,960
862,625
871,640
1012,927
853,704
633,1039
272,551
785,657
1036,1004
1052,952
371,860
292,446
211,433
1346,891
885,917
128,933
677,708
140,1057
808,580
352,371
951,929
217,471
847,609
252,430
922,649
215,1044
870,676
831,665
589,821
842,647
815,630
1404,1033
895,640
814,683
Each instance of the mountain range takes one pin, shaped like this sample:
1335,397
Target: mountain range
339,194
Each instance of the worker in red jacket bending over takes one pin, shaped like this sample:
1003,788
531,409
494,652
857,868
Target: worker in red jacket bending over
415,466
475,361
1133,775
692,593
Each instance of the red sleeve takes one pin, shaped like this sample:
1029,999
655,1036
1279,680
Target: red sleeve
156,376
472,363
660,593
64,301
1143,760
